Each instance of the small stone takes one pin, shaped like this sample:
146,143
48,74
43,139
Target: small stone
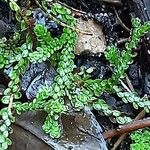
81,131
94,41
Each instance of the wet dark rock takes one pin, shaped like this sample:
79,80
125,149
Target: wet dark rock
36,76
42,18
4,28
2,89
134,74
87,61
81,131
4,11
39,16
147,84
110,100
108,21
115,103
127,109
105,122
7,20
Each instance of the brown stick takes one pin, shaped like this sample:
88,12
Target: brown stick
123,40
123,136
139,124
11,102
73,9
120,21
129,83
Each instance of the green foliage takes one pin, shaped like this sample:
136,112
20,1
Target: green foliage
5,128
52,127
133,98
70,90
105,108
140,140
65,14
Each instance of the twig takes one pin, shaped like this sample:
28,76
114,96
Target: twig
129,83
139,116
60,22
120,21
123,136
71,8
117,2
122,40
10,102
135,125
124,85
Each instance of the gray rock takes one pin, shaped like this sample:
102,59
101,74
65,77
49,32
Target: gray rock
37,75
81,131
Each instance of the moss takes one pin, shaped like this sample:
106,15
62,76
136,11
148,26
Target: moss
140,140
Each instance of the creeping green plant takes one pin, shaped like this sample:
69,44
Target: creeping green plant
70,90
140,140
